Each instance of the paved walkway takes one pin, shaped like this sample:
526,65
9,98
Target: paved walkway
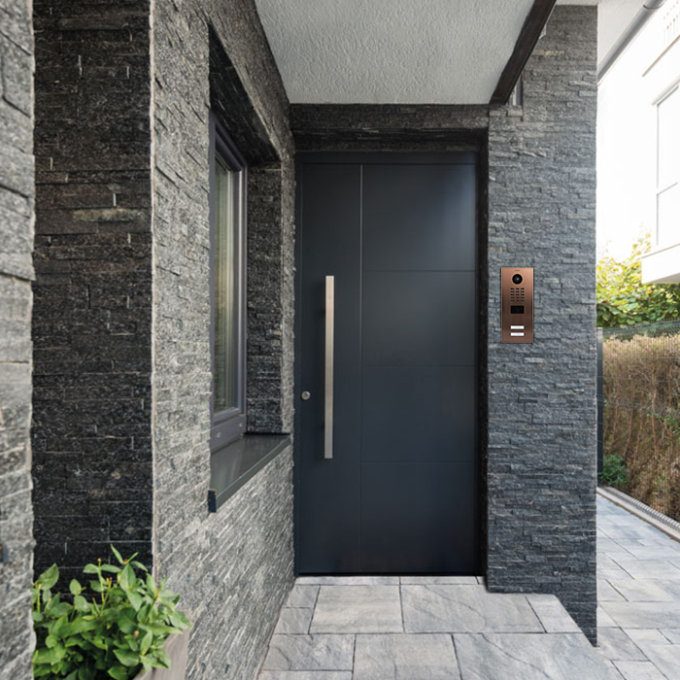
404,628
393,628
639,595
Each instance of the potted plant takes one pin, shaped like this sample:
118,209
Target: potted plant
118,627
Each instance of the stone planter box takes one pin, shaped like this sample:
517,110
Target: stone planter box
177,648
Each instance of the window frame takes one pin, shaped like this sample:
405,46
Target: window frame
673,183
230,424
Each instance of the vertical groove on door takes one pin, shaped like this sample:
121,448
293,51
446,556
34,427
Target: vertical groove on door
361,355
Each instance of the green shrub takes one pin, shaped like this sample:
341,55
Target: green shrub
614,472
622,298
117,631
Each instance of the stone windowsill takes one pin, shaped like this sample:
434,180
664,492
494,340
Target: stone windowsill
232,466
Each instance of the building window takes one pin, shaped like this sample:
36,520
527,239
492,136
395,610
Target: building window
228,287
668,170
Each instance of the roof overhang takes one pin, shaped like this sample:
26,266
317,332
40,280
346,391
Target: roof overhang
400,51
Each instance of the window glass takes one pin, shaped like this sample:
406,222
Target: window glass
226,289
669,140
668,216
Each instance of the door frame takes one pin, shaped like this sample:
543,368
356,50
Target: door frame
409,157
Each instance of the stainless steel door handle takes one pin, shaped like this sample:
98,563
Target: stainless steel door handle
330,350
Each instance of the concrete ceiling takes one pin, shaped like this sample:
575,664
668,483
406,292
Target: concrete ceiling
406,52
392,51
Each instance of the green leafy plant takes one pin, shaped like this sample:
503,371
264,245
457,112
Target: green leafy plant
622,298
614,472
114,631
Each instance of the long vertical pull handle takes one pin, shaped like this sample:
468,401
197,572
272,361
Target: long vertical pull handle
330,351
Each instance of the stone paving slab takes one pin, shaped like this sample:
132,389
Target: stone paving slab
391,627
310,653
357,609
462,609
363,632
416,657
502,656
639,633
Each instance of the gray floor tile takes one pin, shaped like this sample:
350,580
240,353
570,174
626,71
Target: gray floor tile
646,635
357,609
640,591
461,609
528,657
665,551
302,596
293,621
639,670
648,569
305,675
666,658
607,593
644,614
615,645
604,620
614,672
412,657
310,653
672,635
439,581
349,580
552,615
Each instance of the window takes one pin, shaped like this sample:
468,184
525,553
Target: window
227,279
668,170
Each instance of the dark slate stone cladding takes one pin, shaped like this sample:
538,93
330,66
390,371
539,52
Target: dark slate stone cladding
16,272
537,210
92,465
541,402
233,568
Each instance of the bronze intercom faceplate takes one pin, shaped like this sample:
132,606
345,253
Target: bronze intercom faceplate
517,304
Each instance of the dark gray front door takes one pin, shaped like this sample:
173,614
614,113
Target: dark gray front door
399,495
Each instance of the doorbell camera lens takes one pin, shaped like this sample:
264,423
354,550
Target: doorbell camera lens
517,279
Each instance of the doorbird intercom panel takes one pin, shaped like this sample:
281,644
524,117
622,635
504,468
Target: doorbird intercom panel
517,304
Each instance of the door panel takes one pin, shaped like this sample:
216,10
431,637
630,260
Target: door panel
416,518
431,406
400,493
418,318
329,503
403,232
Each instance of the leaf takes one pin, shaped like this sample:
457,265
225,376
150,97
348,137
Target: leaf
119,673
135,600
81,604
126,624
126,578
60,609
51,641
49,577
126,657
90,569
145,642
118,555
110,568
37,617
96,586
179,620
151,584
75,587
162,657
41,671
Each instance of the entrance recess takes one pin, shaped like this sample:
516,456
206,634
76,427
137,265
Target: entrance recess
387,476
